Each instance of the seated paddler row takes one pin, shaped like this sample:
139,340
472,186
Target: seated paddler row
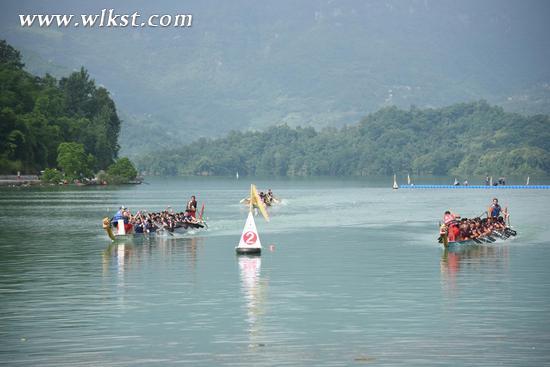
463,229
150,222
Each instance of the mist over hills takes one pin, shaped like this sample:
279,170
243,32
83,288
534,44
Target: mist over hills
247,65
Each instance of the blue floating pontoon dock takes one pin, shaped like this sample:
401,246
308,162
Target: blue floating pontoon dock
486,187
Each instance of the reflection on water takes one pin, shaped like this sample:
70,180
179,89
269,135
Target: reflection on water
254,292
491,259
130,253
133,256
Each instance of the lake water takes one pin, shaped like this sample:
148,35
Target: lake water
351,274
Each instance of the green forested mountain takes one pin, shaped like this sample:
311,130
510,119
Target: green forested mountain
248,64
462,139
38,114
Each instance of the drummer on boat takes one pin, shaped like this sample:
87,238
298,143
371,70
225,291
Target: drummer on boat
122,214
118,215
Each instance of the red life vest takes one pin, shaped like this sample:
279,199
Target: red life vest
448,218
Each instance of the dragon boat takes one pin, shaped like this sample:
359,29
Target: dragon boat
121,232
501,234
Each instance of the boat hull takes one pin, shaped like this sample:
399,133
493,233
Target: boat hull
114,236
189,226
133,236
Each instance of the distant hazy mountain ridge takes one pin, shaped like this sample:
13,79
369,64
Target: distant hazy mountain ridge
248,65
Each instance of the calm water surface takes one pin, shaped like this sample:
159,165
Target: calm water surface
354,277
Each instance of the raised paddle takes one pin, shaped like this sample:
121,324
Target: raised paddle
484,212
508,217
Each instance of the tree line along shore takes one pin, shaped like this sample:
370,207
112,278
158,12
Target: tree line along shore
463,140
67,131
64,130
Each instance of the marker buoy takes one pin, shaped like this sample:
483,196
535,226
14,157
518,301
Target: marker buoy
250,240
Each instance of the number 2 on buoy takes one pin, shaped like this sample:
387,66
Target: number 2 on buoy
250,238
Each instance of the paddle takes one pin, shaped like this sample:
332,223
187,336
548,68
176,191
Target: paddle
509,222
483,212
498,234
510,232
169,231
162,229
505,234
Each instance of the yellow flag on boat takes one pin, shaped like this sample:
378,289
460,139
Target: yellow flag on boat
256,201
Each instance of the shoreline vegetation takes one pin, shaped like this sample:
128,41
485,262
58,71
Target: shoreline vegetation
462,140
33,180
64,130
67,130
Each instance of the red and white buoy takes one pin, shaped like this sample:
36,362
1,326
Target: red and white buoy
250,240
